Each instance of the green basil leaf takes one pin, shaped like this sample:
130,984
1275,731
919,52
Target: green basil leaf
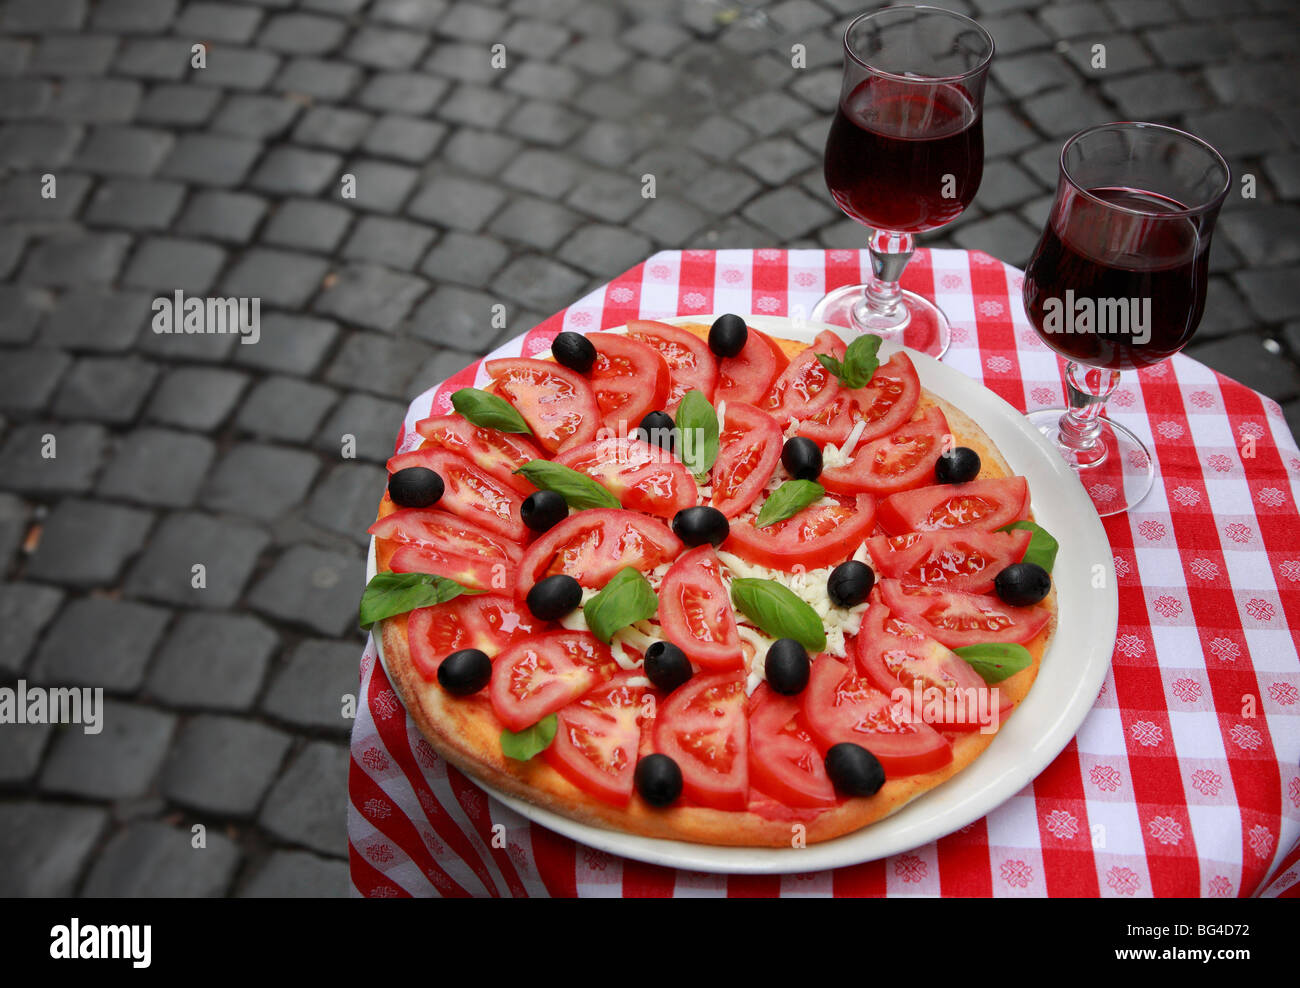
860,361
779,612
626,599
1042,546
995,661
787,500
577,489
531,740
488,410
697,430
389,594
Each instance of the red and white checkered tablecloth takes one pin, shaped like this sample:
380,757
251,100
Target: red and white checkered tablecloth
1187,764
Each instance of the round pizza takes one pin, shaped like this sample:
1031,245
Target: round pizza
699,582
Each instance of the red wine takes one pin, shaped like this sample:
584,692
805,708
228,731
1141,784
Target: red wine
905,157
1117,289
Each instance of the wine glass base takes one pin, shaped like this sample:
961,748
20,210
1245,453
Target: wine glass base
925,328
1119,478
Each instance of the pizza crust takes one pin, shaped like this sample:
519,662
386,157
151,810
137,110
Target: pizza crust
467,732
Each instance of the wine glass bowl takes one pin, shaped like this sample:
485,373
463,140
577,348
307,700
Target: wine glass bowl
1118,281
905,154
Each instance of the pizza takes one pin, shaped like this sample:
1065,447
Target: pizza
702,583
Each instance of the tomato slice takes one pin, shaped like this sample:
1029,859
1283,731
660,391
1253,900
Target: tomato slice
558,404
900,461
783,760
702,727
544,673
630,380
642,476
469,492
489,622
884,404
593,545
982,504
494,452
892,653
964,559
957,618
695,611
748,376
474,572
819,535
805,387
841,705
749,449
432,541
691,364
598,736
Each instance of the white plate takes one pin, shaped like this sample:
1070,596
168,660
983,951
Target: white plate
1071,674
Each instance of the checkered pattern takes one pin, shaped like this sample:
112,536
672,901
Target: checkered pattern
1183,779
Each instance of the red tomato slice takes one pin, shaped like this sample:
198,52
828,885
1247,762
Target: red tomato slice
884,404
494,452
956,618
695,611
630,380
748,376
891,653
558,404
896,462
982,504
819,535
702,727
434,528
840,705
593,545
642,476
599,734
469,492
805,387
964,559
783,760
691,364
749,449
474,572
488,622
544,673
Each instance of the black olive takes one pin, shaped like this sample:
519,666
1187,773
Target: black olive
787,667
552,598
667,666
1022,584
465,672
543,510
853,770
803,458
658,429
727,335
701,524
957,466
574,351
415,487
658,780
849,583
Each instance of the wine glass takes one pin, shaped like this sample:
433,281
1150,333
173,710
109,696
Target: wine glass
905,154
1117,282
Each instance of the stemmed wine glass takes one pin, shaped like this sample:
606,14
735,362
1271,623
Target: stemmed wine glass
1117,282
905,154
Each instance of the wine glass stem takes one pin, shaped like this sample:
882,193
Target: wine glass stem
1087,389
881,309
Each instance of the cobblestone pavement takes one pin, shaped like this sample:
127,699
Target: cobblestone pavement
474,186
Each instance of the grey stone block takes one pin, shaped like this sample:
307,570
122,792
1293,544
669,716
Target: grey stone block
313,588
460,203
278,277
159,467
118,763
100,642
393,243
788,213
371,422
371,296
226,216
336,128
323,80
213,661
539,283
223,765
154,860
604,250
196,398
464,258
307,225
302,34
227,550
238,68
72,260
380,185
20,755
476,106
28,378
45,846
407,138
386,48
479,152
1244,359
86,543
25,609
289,344
77,449
346,500
402,92
256,117
218,21
298,874
377,363
105,389
260,481
137,204
211,159
295,171
306,805
308,692
286,409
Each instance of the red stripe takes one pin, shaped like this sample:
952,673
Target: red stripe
647,881
695,278
771,280
441,404
369,882
398,827
1069,866
473,801
753,886
392,730
557,863
623,298
860,881
539,338
843,272
964,868
995,330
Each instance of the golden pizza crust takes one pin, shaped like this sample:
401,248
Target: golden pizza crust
467,732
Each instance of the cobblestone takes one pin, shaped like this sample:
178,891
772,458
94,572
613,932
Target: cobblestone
155,860
303,806
227,551
100,642
371,296
311,587
28,378
158,467
277,277
393,243
258,118
25,609
285,408
228,216
344,501
45,846
117,763
197,398
213,662
223,765
309,691
259,481
289,344
105,389
298,874
86,544
20,755
307,225
32,464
